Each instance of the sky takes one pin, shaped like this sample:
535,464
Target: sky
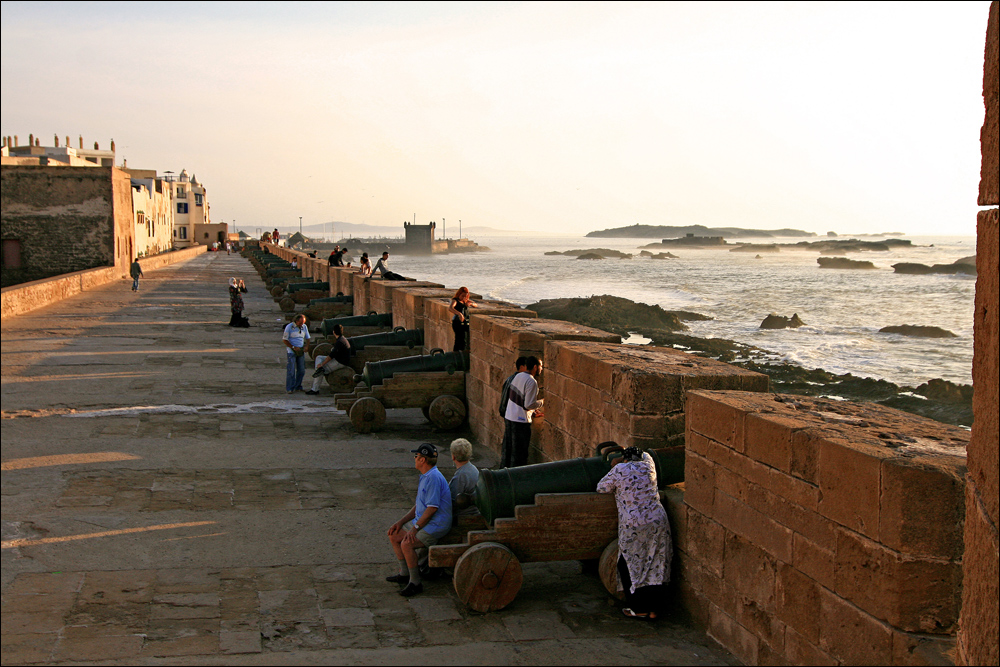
554,118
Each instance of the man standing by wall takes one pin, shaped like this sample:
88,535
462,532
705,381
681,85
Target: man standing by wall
295,336
522,404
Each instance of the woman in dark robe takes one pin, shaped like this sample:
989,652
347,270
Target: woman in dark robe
459,308
236,291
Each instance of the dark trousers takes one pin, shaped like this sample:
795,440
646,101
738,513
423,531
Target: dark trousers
516,440
461,330
645,600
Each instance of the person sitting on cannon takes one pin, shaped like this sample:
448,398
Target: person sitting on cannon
463,482
427,521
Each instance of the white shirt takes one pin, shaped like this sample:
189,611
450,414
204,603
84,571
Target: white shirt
296,335
522,400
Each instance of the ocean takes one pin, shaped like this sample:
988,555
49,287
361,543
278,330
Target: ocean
843,309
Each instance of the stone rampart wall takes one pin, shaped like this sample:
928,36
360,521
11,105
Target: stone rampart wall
26,297
496,342
980,624
380,293
409,304
437,318
822,532
634,396
68,218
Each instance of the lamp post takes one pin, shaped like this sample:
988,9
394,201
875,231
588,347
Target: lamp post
300,225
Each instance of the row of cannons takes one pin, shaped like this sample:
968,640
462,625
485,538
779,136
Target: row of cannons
536,513
384,372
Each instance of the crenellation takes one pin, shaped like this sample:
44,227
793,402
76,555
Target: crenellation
820,540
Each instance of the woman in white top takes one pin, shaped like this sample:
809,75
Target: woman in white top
643,533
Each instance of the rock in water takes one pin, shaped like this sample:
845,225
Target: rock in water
843,263
590,255
918,331
773,321
610,313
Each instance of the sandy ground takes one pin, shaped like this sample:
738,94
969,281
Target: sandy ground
165,501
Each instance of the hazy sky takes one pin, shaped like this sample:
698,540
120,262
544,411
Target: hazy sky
563,117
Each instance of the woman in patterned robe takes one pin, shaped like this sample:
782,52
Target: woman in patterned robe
643,533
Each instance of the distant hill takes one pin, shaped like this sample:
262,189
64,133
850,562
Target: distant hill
667,232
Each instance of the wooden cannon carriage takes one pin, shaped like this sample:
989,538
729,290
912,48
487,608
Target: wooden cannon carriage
559,526
542,512
434,382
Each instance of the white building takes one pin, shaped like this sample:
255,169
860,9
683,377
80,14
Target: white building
153,212
190,207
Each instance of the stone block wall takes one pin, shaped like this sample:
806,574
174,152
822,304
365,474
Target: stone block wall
380,292
344,279
980,624
496,342
633,395
68,218
360,288
437,318
821,532
409,304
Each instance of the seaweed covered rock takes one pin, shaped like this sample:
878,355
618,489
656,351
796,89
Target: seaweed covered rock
918,331
773,321
843,263
590,255
610,313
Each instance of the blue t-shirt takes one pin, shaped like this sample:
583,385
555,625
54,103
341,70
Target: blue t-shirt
433,491
296,335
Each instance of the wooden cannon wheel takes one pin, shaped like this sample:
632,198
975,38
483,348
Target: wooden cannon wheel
287,304
608,569
487,577
367,414
447,412
277,291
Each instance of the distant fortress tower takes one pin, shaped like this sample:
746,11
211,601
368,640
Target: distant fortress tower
419,238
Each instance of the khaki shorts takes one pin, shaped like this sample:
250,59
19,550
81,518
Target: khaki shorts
426,539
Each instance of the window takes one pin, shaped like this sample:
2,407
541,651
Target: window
11,254
182,207
198,199
182,192
184,232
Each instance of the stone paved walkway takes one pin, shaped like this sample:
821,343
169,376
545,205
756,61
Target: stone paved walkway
164,501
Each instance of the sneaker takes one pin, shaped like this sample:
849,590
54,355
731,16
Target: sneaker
312,393
411,590
398,579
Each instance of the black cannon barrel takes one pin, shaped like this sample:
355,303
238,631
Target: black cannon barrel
372,319
398,336
498,492
295,287
279,269
349,298
376,372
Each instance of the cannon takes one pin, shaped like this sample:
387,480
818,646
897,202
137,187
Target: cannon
398,336
340,298
551,526
322,286
377,372
372,319
434,382
499,492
